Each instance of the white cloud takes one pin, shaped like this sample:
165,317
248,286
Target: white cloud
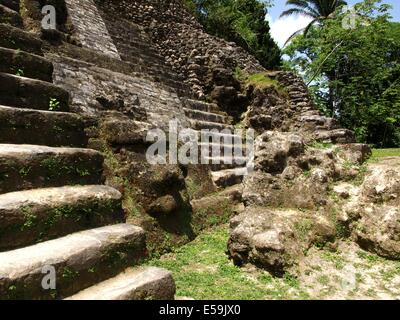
283,28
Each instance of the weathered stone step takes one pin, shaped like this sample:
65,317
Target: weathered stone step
174,84
134,284
202,106
343,136
310,113
24,167
168,77
224,163
9,16
198,125
25,64
229,177
133,44
205,116
15,38
316,119
80,260
132,38
32,216
149,63
27,126
12,4
23,92
221,146
299,100
226,137
130,49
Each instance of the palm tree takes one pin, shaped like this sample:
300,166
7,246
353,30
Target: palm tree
317,10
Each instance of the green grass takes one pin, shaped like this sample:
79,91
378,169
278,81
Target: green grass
202,270
382,153
321,146
260,80
335,258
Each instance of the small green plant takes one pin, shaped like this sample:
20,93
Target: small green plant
304,227
54,104
291,280
239,74
335,258
324,280
82,172
30,218
192,187
371,258
70,274
53,294
20,73
307,173
24,172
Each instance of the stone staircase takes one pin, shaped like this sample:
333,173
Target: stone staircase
55,214
134,46
227,169
307,118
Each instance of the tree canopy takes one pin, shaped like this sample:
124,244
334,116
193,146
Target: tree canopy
355,73
240,21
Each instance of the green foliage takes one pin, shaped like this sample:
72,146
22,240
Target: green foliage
30,218
69,274
335,258
260,80
354,74
25,171
321,145
382,153
20,73
54,104
193,188
240,21
304,227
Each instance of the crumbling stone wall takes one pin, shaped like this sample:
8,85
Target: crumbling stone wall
90,28
191,52
94,89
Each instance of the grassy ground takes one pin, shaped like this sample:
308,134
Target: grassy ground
381,153
202,271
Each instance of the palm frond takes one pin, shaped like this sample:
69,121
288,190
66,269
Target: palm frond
296,11
314,8
304,4
307,29
294,35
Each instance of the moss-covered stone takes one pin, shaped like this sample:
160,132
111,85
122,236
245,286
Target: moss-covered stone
21,126
33,216
20,92
18,62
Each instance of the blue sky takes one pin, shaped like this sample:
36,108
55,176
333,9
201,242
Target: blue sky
281,29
